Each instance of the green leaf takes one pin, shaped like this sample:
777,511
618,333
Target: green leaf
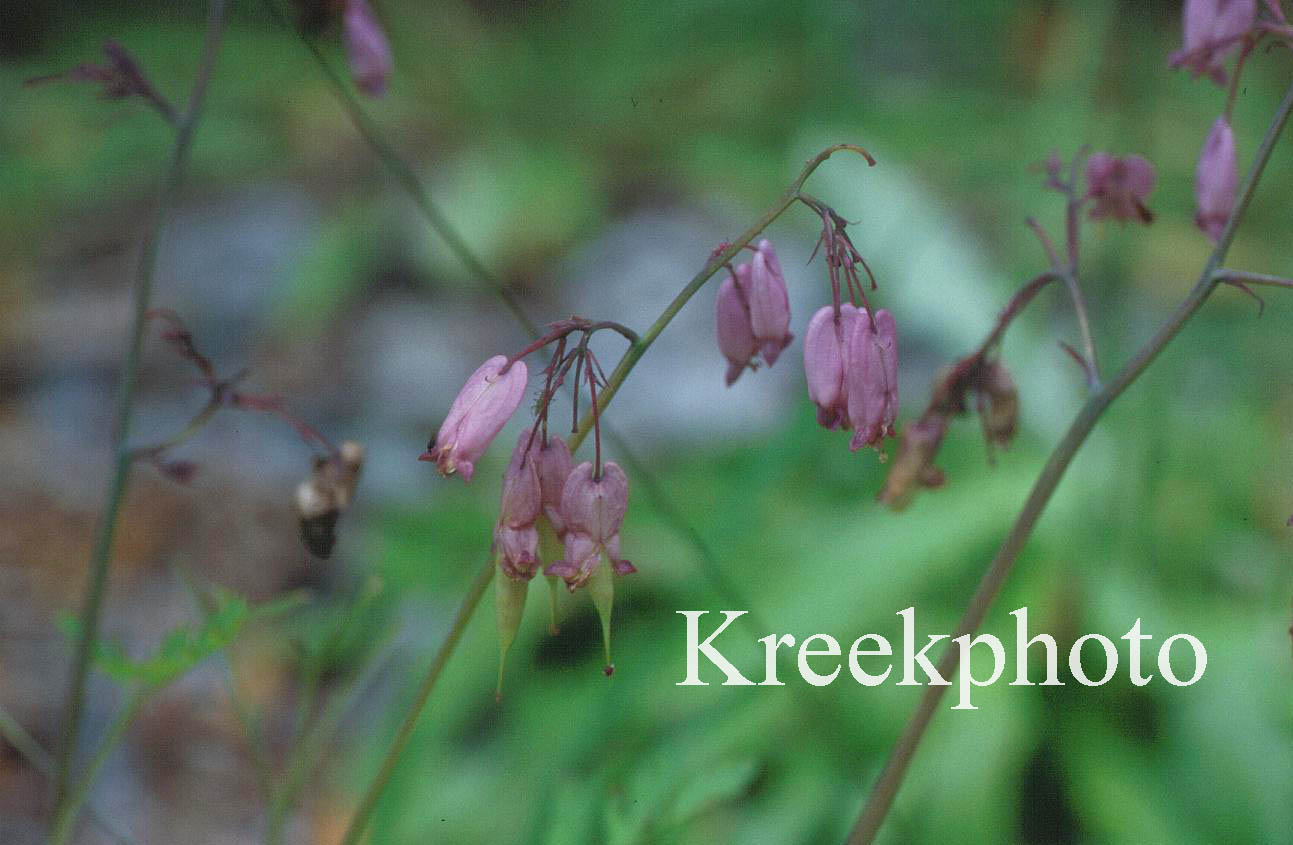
179,651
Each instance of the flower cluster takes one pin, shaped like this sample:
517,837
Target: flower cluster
554,517
850,352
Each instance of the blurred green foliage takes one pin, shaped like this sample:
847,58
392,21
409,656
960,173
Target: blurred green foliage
544,119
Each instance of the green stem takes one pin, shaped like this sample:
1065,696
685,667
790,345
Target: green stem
65,818
895,768
141,293
305,725
402,736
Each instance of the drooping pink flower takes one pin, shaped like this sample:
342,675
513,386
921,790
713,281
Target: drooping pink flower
871,378
732,317
1119,187
522,496
1213,30
479,412
554,464
825,344
769,303
516,536
1216,179
593,509
367,50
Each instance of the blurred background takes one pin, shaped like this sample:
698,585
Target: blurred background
592,155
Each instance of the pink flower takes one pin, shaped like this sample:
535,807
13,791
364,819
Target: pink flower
735,334
769,303
479,412
553,465
593,509
367,50
1215,180
522,497
871,378
1119,187
824,353
1213,29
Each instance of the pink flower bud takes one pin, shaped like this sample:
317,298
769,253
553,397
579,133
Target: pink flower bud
1213,29
367,49
1215,179
521,493
593,510
735,335
553,465
824,352
479,412
769,303
871,378
1119,187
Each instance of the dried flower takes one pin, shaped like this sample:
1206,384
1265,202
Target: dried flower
1119,187
1000,411
825,344
914,468
1213,29
769,303
322,497
120,77
479,412
871,377
735,334
367,50
1216,179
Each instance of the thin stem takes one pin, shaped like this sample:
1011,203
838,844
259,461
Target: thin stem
141,293
1090,362
251,733
1233,91
65,817
405,176
315,739
895,768
1243,277
200,419
402,736
12,731
715,263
